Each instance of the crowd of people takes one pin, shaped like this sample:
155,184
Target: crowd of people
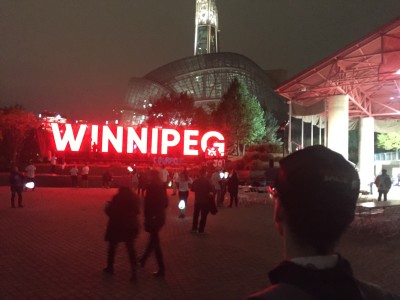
310,218
123,211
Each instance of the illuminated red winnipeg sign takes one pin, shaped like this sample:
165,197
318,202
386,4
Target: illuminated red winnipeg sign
144,140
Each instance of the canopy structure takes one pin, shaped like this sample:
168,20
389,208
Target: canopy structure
368,71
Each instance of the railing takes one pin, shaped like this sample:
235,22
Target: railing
388,156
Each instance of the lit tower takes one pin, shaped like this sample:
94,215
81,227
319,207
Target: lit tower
206,30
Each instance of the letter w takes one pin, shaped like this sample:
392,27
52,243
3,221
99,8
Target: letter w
61,142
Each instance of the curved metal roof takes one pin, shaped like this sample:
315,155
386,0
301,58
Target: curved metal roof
367,70
142,90
201,63
206,78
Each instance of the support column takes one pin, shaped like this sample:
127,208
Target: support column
290,128
338,124
366,152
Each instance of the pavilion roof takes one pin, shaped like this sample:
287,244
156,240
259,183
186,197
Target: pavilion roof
367,70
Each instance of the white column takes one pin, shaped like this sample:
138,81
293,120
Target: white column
312,130
366,152
302,133
290,128
338,124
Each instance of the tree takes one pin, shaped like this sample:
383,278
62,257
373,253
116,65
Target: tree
16,126
174,110
201,119
272,127
178,110
239,117
388,141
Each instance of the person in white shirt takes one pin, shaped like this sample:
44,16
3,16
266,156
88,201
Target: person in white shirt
174,182
53,162
30,173
164,176
85,175
184,182
74,176
216,184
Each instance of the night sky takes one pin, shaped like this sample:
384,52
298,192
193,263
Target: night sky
76,56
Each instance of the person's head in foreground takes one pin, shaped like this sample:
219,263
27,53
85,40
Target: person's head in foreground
316,192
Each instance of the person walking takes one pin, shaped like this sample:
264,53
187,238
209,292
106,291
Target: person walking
175,178
30,173
315,197
164,176
123,226
85,175
107,179
383,183
16,181
184,181
233,188
74,175
144,176
155,203
53,163
216,184
135,180
203,194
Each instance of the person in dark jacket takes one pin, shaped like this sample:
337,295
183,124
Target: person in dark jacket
143,178
123,226
315,197
16,181
155,203
383,182
203,194
233,188
107,178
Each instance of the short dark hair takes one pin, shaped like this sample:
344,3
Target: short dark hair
318,189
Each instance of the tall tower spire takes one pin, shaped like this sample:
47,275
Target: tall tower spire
206,28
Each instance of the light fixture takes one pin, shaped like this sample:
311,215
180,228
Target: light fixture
397,72
182,205
30,185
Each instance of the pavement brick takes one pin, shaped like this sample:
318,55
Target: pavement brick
53,248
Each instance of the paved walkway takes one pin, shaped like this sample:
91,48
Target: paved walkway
53,248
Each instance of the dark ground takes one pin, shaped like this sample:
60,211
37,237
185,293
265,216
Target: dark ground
53,248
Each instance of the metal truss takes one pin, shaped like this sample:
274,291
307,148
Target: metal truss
368,71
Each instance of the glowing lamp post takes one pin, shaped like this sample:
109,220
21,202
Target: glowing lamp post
30,185
182,206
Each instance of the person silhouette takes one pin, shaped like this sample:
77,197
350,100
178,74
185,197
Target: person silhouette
315,196
383,183
155,203
123,226
16,181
